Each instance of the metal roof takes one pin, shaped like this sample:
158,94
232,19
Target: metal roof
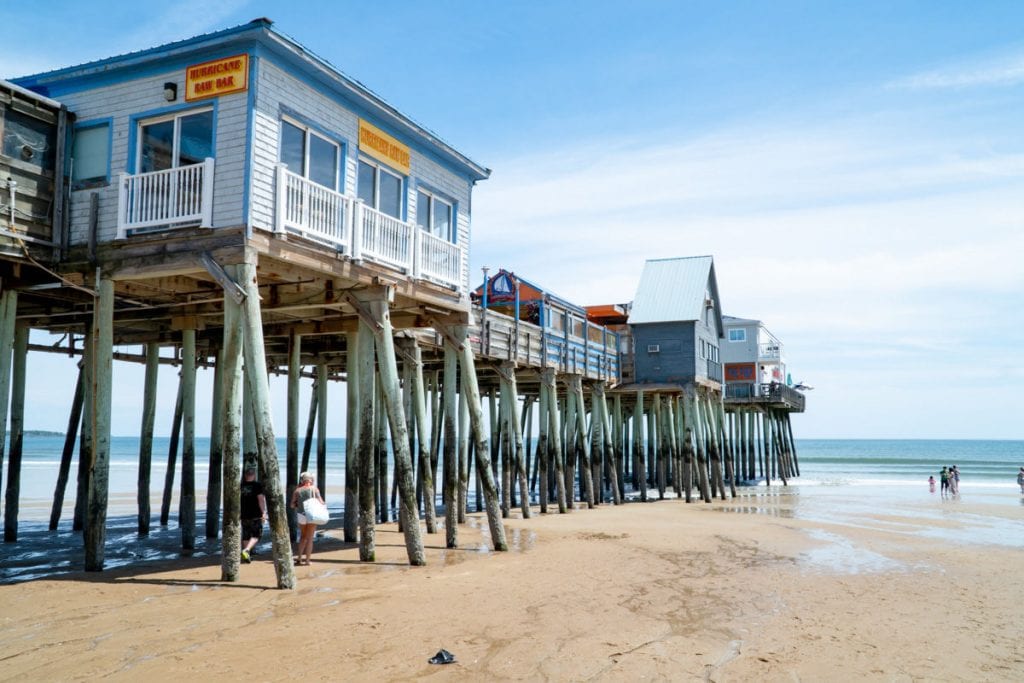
263,31
674,290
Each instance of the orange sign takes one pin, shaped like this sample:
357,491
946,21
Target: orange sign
217,77
383,147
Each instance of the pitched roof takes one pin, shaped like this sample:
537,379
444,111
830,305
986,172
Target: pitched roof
261,30
674,290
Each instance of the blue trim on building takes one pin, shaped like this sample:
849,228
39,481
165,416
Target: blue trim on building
258,39
250,137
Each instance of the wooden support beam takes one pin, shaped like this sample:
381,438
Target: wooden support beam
8,309
74,419
510,398
292,430
419,408
352,415
639,468
231,433
399,434
146,436
214,483
555,438
450,455
259,396
172,456
469,383
12,495
365,371
102,361
187,497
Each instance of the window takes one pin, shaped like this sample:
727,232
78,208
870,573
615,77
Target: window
380,189
28,139
737,335
175,140
90,154
577,327
309,154
434,215
557,321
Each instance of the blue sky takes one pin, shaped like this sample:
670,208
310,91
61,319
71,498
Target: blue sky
856,169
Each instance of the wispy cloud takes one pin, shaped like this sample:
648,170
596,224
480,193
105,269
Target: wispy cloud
1003,71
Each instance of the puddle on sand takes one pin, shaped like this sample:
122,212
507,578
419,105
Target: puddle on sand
758,510
841,556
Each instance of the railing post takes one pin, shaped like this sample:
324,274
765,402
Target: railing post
281,197
417,242
122,206
207,197
357,229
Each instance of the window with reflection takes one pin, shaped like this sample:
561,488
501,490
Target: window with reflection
309,154
175,140
434,215
380,189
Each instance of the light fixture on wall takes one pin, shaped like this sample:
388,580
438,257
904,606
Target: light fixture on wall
170,91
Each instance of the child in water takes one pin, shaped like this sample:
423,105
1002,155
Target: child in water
931,484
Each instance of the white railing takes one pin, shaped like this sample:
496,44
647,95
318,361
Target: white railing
173,197
438,259
313,210
386,240
362,232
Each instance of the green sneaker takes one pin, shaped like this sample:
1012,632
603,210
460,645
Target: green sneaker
245,557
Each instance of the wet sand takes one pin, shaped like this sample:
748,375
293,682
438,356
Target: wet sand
770,586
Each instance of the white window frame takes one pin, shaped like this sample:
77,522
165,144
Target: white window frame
175,116
378,168
308,131
433,198
740,337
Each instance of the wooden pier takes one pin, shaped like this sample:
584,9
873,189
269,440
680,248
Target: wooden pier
195,255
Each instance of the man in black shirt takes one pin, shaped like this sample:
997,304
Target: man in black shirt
254,511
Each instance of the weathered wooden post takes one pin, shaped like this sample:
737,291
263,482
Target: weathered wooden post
569,435
85,435
792,445
609,438
419,407
364,354
291,464
469,383
307,443
146,435
69,448
380,449
187,497
103,364
321,429
639,468
554,438
8,309
213,481
231,433
692,418
464,458
542,446
13,492
451,463
509,394
399,434
586,473
259,396
353,419
172,457
719,412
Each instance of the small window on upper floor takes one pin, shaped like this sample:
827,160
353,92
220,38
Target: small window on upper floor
434,215
309,154
380,188
90,156
738,335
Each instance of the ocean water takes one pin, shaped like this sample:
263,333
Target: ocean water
839,480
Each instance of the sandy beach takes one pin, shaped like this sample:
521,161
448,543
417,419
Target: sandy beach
747,589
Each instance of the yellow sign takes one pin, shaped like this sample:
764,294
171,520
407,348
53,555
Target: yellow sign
219,77
383,147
